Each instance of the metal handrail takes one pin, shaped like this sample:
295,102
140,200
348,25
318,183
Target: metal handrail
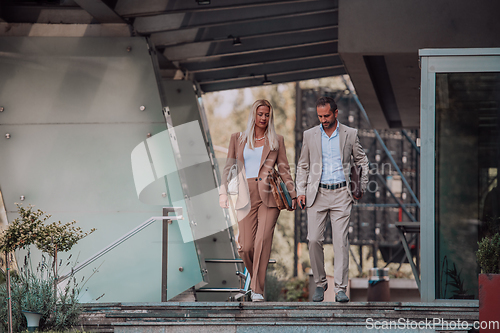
232,261
119,241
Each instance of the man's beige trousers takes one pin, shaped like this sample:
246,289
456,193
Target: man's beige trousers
338,204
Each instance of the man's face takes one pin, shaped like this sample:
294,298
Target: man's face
326,117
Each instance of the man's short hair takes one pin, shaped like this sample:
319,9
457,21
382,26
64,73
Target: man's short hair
322,101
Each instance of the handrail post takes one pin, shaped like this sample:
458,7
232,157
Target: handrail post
164,265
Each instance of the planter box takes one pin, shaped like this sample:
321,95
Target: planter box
489,301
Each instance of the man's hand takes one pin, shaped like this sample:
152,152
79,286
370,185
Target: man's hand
359,197
223,202
294,203
302,201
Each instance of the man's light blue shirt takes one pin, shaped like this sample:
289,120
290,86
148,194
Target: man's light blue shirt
332,171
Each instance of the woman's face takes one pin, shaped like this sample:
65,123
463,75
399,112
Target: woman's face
262,117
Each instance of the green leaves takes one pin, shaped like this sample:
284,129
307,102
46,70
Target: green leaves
59,237
24,230
488,254
30,228
33,290
38,292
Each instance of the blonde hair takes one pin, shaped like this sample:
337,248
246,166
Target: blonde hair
249,133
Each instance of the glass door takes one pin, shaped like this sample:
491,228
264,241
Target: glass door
460,117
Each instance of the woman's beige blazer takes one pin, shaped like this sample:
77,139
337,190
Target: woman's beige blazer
268,161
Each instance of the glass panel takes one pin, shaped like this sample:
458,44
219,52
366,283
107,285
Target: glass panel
467,161
73,110
207,219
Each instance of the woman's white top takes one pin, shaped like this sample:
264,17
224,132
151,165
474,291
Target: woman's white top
252,160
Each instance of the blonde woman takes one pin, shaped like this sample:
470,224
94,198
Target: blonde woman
256,151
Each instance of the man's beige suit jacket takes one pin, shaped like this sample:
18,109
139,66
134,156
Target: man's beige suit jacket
311,163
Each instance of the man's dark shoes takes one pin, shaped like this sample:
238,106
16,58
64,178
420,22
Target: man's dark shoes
340,297
319,294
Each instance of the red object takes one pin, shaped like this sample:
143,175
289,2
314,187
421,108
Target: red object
400,216
489,301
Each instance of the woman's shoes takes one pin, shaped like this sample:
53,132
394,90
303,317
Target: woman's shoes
257,297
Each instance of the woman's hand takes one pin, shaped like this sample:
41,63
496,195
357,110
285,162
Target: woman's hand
302,201
294,203
223,202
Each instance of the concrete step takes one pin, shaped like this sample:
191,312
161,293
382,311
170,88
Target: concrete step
277,317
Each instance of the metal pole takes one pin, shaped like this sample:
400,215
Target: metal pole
361,258
9,300
297,214
395,198
164,256
417,149
55,275
167,220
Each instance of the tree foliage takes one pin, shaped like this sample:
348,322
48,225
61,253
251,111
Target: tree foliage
30,228
24,230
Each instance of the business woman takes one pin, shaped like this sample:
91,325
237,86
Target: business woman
256,151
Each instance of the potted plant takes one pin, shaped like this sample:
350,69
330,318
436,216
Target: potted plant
20,233
488,258
35,292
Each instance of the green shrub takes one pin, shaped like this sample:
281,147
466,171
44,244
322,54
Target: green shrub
34,292
488,254
37,291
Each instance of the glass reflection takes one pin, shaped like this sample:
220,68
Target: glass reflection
467,161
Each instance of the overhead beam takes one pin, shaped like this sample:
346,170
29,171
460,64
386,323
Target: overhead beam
268,56
249,45
100,11
257,51
45,14
270,69
64,30
275,75
150,24
282,78
243,30
135,8
273,62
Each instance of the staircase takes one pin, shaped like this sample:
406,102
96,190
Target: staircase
224,317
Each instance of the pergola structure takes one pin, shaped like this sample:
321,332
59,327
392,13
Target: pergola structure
218,44
226,44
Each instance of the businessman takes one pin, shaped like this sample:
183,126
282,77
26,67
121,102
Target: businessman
323,173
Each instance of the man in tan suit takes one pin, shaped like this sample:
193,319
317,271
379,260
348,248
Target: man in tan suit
323,173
